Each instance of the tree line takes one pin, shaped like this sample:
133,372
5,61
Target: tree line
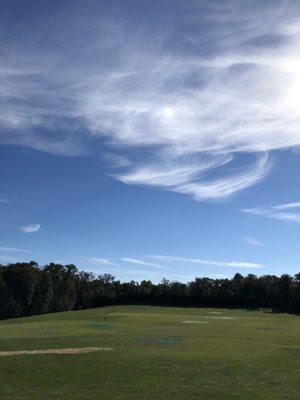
27,289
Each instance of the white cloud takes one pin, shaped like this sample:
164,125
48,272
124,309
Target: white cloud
287,206
110,270
286,217
187,179
4,200
103,261
253,241
277,212
234,264
141,262
194,115
96,260
13,249
30,228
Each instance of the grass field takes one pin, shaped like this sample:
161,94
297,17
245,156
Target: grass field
157,353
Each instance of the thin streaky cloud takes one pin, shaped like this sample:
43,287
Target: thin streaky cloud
184,180
277,212
287,206
110,269
252,241
102,261
226,187
97,260
141,262
290,217
13,249
234,264
4,200
166,258
30,228
257,211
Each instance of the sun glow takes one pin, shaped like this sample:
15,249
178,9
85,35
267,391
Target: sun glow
168,112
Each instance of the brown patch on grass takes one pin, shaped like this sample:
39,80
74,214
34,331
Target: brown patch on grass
55,351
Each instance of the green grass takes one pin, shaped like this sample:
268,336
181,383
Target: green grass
247,355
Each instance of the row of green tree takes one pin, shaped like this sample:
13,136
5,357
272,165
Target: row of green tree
27,289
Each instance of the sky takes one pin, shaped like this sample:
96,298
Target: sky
151,139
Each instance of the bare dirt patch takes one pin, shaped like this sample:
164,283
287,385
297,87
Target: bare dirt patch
54,351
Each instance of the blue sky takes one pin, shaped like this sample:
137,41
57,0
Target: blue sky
151,139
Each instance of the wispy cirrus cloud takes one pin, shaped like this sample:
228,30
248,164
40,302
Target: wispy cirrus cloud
137,261
4,200
252,241
234,264
13,250
30,228
110,270
287,206
281,212
193,107
200,261
187,180
99,260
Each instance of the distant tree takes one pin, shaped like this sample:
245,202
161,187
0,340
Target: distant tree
104,290
84,290
19,286
249,290
146,288
295,294
202,289
27,289
63,282
284,286
43,296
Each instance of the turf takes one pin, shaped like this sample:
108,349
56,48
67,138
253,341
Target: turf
253,355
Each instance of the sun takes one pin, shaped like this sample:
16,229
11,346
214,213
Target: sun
168,112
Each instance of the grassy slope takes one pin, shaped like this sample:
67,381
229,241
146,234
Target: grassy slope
254,356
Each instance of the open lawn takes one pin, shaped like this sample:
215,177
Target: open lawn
155,353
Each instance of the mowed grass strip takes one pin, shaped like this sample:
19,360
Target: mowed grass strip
250,354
